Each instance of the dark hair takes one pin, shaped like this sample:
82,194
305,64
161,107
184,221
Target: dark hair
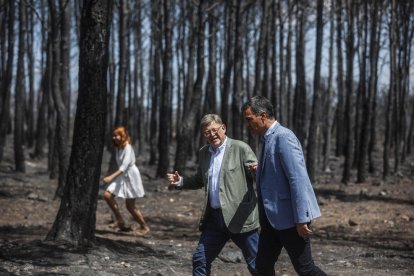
260,104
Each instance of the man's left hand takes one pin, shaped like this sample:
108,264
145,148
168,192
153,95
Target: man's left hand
303,230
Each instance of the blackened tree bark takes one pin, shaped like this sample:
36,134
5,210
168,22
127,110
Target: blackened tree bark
361,92
261,48
65,45
406,11
211,101
411,129
392,90
348,112
339,122
76,218
7,77
41,130
189,121
39,151
273,90
289,90
121,117
123,43
368,100
326,150
59,93
374,90
314,125
165,123
228,60
156,47
3,33
281,107
20,91
299,105
238,75
111,93
30,105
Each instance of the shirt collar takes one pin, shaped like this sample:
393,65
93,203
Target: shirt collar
270,130
220,148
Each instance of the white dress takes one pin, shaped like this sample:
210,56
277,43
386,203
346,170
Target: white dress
129,183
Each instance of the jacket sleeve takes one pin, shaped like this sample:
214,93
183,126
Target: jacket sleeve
249,158
193,182
294,167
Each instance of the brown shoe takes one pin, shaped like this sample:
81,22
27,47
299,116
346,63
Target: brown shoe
113,225
120,225
141,232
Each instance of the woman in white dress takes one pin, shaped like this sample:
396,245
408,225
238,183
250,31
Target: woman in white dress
125,182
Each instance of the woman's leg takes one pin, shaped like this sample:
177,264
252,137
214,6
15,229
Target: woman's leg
109,198
136,213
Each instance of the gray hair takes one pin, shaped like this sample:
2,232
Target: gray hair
208,119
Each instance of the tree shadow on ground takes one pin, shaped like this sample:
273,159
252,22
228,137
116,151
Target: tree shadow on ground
56,253
174,228
346,197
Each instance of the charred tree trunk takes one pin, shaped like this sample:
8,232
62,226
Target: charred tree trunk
156,47
30,105
339,123
211,101
326,151
165,123
65,44
7,78
41,131
261,48
59,93
299,104
123,42
289,67
237,77
348,112
19,96
368,101
110,121
189,119
392,90
229,60
76,218
374,90
314,124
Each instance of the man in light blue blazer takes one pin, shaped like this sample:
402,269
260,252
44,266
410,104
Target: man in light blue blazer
286,200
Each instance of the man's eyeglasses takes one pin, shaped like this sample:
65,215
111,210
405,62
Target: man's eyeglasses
212,131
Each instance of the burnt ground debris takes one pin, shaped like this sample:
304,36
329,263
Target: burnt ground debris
365,229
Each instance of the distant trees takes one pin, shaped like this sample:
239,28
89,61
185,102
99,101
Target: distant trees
338,73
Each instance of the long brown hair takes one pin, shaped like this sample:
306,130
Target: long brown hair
125,138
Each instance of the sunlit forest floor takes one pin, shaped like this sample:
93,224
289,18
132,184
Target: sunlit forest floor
365,229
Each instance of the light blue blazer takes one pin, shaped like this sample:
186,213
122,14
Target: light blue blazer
283,184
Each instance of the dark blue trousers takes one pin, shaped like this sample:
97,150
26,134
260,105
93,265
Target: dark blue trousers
272,241
212,240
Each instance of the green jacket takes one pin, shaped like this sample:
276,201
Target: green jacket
237,195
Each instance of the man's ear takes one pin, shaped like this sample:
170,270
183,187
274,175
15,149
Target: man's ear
263,115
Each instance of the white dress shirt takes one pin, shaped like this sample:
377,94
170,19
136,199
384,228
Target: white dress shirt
214,174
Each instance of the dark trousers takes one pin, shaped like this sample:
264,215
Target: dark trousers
272,241
212,240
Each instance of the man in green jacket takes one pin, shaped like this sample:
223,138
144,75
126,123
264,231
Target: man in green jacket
230,205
